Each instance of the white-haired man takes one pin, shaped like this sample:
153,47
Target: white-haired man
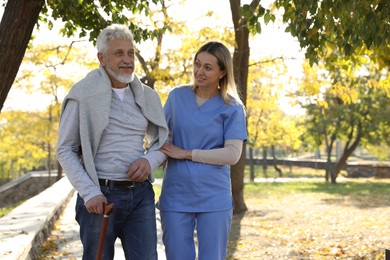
105,120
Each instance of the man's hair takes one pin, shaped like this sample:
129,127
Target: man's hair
112,32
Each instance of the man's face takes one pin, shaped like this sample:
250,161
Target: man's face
119,62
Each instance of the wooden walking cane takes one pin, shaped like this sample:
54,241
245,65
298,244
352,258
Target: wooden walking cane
107,209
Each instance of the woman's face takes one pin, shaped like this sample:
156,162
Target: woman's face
206,71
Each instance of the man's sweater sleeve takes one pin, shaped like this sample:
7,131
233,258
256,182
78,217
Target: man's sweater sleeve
68,149
155,159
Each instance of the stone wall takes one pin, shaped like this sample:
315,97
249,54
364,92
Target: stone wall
24,190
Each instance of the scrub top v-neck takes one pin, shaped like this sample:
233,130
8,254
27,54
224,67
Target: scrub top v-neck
192,186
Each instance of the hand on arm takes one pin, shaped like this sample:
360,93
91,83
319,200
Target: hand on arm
227,155
175,152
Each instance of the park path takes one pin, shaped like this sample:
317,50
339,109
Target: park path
64,242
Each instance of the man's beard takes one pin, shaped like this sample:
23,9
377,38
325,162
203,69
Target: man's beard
125,79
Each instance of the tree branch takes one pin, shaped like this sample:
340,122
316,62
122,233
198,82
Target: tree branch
272,60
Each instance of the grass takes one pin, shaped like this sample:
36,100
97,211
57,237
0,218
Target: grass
158,173
289,172
365,191
7,209
347,187
353,188
364,194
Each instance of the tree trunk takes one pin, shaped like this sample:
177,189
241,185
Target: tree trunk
329,166
49,162
237,176
241,62
59,171
12,170
251,166
16,27
346,153
149,81
265,162
274,162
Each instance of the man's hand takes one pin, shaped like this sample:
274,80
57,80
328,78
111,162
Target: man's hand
95,205
139,170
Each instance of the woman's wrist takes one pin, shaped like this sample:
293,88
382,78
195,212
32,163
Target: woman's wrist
189,154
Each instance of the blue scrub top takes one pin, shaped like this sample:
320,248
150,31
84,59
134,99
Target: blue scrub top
192,186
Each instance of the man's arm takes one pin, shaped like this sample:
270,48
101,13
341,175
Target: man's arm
140,169
68,149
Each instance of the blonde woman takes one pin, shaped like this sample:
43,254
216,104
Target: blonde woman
207,123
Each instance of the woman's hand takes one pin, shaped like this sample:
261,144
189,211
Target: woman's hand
175,152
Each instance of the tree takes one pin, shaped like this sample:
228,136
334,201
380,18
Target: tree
18,127
359,117
85,17
241,62
167,66
245,19
268,126
16,27
327,30
338,35
347,26
50,70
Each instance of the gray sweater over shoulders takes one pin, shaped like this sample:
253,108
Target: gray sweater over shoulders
93,95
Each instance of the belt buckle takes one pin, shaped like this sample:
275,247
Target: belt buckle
132,184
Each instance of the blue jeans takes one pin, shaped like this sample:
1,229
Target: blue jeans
133,221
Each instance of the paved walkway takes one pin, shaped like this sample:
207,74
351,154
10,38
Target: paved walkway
66,236
26,227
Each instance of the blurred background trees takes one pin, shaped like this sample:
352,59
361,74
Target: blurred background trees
338,102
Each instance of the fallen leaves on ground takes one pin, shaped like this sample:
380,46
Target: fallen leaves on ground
303,226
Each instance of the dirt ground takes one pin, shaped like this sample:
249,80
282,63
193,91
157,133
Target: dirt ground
311,226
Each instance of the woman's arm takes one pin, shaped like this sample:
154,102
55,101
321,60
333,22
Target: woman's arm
228,155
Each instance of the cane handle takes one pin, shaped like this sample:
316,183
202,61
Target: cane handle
107,208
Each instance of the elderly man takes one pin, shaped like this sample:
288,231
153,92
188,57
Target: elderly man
106,119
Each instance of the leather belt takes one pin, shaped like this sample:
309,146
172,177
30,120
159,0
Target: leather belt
118,184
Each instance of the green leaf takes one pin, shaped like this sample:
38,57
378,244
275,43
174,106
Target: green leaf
261,11
258,28
267,18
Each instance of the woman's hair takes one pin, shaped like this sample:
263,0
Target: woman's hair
227,84
113,32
